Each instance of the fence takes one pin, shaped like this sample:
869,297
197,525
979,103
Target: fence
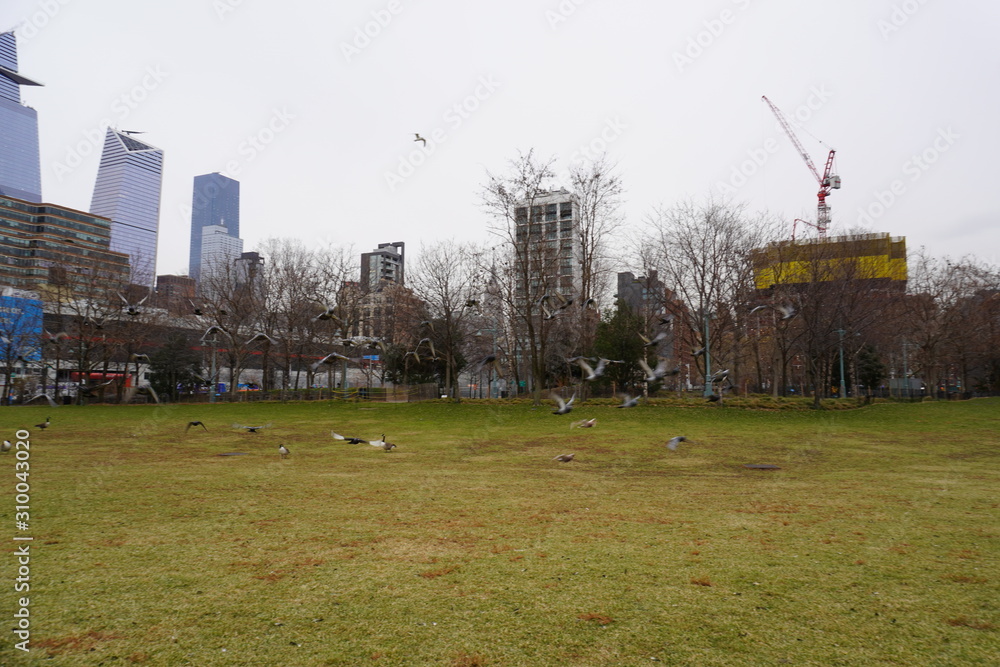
393,394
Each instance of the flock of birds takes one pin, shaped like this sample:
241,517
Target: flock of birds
564,407
381,443
283,450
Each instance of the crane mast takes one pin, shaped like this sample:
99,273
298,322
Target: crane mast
827,181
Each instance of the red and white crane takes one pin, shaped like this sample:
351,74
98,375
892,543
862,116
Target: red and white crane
827,181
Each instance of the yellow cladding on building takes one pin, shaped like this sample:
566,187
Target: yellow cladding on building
857,257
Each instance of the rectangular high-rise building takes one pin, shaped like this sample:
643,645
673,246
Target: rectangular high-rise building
382,265
548,235
49,245
215,203
127,190
20,164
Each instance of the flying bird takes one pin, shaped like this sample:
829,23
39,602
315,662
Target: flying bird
257,337
195,423
658,373
283,451
330,359
52,404
213,330
719,376
564,406
564,458
252,429
655,340
548,314
593,373
628,401
145,390
54,338
697,353
328,313
132,309
584,423
195,309
787,311
131,132
489,360
350,441
139,358
429,342
676,440
419,138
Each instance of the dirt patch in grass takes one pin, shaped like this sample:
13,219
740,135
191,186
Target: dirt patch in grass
434,574
74,643
966,622
463,659
964,579
600,619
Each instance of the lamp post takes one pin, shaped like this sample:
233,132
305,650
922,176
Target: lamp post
490,391
906,369
843,387
211,373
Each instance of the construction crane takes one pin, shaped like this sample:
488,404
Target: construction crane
826,182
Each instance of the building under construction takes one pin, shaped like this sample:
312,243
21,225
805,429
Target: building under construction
879,260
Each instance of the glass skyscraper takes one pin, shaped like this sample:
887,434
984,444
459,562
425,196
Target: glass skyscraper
20,165
215,203
127,190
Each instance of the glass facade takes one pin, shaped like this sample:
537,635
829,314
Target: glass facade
20,164
128,187
38,242
215,203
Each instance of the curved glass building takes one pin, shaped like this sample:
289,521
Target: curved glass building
127,190
20,165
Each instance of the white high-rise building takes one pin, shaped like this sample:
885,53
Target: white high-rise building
219,252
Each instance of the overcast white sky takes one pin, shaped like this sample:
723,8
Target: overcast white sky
905,90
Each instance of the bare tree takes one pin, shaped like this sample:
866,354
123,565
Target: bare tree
530,259
950,333
447,279
702,251
598,191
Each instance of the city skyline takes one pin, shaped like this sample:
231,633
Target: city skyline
673,93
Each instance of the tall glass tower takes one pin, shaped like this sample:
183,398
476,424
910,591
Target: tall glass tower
20,165
128,191
215,203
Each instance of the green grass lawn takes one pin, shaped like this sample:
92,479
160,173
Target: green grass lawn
875,543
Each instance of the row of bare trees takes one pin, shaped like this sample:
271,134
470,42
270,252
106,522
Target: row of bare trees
522,305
